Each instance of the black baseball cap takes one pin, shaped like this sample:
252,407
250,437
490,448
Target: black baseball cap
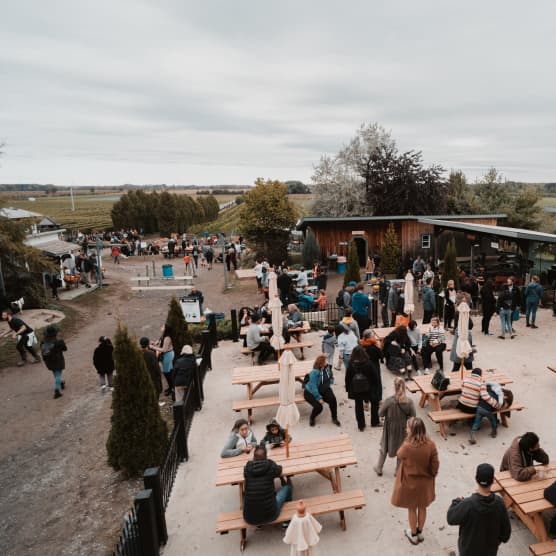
485,474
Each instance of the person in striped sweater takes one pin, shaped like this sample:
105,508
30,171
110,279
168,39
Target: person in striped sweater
471,392
436,343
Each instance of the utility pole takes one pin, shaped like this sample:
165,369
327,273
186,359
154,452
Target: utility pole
223,240
72,202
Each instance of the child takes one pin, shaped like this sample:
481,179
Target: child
321,300
275,435
329,343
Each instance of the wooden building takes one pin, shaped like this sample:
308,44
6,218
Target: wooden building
417,238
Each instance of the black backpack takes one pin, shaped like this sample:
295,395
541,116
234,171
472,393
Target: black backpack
359,383
440,381
340,298
47,349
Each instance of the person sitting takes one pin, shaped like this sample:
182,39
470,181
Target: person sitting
197,294
256,342
416,341
493,397
306,301
349,322
184,370
241,440
318,390
261,503
519,457
471,392
295,319
244,316
397,349
302,280
436,343
275,435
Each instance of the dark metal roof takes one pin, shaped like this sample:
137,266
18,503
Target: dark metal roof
486,229
304,222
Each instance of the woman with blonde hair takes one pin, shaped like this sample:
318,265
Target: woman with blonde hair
318,390
414,485
396,410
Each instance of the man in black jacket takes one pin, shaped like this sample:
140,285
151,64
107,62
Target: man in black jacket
20,332
383,300
261,504
52,349
482,517
184,370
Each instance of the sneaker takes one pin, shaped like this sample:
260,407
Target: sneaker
21,363
472,439
420,536
36,360
311,422
377,470
534,326
336,422
285,524
527,325
57,394
426,371
103,387
494,433
63,384
413,539
417,372
502,337
512,336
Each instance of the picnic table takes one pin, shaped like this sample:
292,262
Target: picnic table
432,396
526,498
325,456
265,329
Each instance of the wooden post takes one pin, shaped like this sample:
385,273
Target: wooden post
461,369
287,443
235,331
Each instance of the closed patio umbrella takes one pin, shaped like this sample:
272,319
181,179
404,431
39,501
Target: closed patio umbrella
409,306
288,414
463,347
275,306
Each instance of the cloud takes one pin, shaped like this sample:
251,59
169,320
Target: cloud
223,92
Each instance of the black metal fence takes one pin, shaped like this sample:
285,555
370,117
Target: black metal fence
332,315
144,527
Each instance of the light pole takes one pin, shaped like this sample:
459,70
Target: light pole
223,241
100,245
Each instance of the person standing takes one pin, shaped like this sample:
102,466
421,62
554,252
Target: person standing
116,252
414,485
488,304
383,300
429,301
52,349
393,297
516,302
165,349
449,304
197,294
24,335
361,382
360,305
209,256
318,390
396,410
505,311
482,517
347,340
533,295
103,361
151,361
369,268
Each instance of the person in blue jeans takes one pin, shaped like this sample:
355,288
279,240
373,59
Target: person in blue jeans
533,295
492,398
52,350
505,312
261,503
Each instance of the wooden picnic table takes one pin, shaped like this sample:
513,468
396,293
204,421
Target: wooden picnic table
432,396
325,456
255,377
526,498
265,329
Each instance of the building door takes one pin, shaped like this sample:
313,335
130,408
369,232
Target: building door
362,250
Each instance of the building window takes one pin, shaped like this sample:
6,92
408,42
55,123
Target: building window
425,241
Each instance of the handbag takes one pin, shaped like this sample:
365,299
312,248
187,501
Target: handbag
515,314
440,381
336,360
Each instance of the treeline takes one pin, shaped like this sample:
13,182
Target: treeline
162,212
219,191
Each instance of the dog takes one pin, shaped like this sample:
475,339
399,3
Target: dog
17,306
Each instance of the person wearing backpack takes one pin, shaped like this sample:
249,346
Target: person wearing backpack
362,377
52,351
343,299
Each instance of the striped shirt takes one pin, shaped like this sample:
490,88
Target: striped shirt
471,391
436,334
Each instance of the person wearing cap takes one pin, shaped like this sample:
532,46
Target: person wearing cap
52,349
184,369
151,361
104,362
482,517
256,342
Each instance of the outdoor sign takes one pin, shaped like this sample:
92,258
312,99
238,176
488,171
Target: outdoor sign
494,244
191,309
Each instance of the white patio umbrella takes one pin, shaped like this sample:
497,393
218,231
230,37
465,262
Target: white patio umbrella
463,347
288,414
409,306
275,306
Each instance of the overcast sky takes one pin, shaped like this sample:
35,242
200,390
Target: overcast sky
220,92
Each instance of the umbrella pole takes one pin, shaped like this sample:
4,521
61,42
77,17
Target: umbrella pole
461,369
287,443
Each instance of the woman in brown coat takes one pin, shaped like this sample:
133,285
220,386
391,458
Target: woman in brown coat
414,486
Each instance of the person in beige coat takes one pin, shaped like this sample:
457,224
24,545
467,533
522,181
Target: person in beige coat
414,485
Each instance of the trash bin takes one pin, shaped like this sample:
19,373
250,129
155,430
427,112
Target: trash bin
342,263
167,271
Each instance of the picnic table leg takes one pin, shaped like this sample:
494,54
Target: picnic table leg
250,397
539,528
338,478
423,400
327,474
434,402
243,539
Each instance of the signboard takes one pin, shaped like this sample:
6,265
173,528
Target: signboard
494,244
191,310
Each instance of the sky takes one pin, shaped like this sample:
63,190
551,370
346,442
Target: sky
222,92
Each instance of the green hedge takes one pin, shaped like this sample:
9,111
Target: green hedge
223,330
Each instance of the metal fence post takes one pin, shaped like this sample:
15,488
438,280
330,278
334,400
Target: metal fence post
235,335
374,313
179,422
146,523
154,268
151,480
206,351
198,381
212,329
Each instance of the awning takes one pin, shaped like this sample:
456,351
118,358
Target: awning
56,247
495,231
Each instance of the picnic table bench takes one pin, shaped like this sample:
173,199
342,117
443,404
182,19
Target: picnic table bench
257,403
543,548
325,456
295,345
526,499
432,396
